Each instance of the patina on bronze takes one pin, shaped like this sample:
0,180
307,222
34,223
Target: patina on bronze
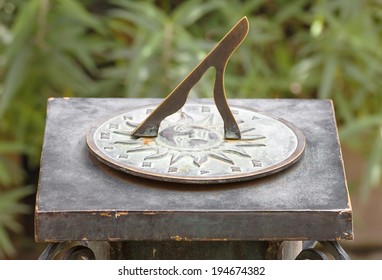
218,58
185,143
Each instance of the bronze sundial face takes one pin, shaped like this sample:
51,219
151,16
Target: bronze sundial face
190,146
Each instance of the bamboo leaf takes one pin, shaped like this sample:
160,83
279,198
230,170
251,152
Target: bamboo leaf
5,177
142,14
344,106
327,77
9,221
357,126
191,11
76,10
5,243
22,29
374,167
16,73
13,195
11,147
291,11
67,74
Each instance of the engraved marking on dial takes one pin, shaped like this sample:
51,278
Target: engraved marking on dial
235,169
127,117
146,164
114,126
206,109
248,130
172,169
125,142
124,133
189,138
204,172
105,135
251,145
235,112
124,156
256,163
222,157
109,148
149,111
132,124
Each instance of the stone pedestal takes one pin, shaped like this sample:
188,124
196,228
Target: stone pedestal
82,200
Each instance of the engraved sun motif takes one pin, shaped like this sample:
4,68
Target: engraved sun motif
197,139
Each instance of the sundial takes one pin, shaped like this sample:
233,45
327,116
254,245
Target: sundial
198,142
149,205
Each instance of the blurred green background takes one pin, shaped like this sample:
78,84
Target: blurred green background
93,48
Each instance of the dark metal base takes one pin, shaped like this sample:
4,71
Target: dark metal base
204,250
310,252
173,250
196,250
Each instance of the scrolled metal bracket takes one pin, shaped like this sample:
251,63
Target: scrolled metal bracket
217,58
311,253
67,251
76,250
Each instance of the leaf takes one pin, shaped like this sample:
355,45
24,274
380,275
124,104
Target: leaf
191,11
355,127
13,195
76,10
14,77
22,29
142,14
12,147
344,106
293,10
9,207
373,172
5,177
66,74
5,243
9,222
327,77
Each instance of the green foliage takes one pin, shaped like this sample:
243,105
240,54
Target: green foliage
9,207
117,48
50,53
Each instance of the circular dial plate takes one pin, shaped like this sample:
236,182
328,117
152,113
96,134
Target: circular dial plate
190,146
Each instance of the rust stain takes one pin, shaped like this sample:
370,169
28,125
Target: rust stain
113,239
150,213
346,236
154,253
35,225
233,141
178,238
105,214
114,214
147,141
215,239
119,214
345,212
